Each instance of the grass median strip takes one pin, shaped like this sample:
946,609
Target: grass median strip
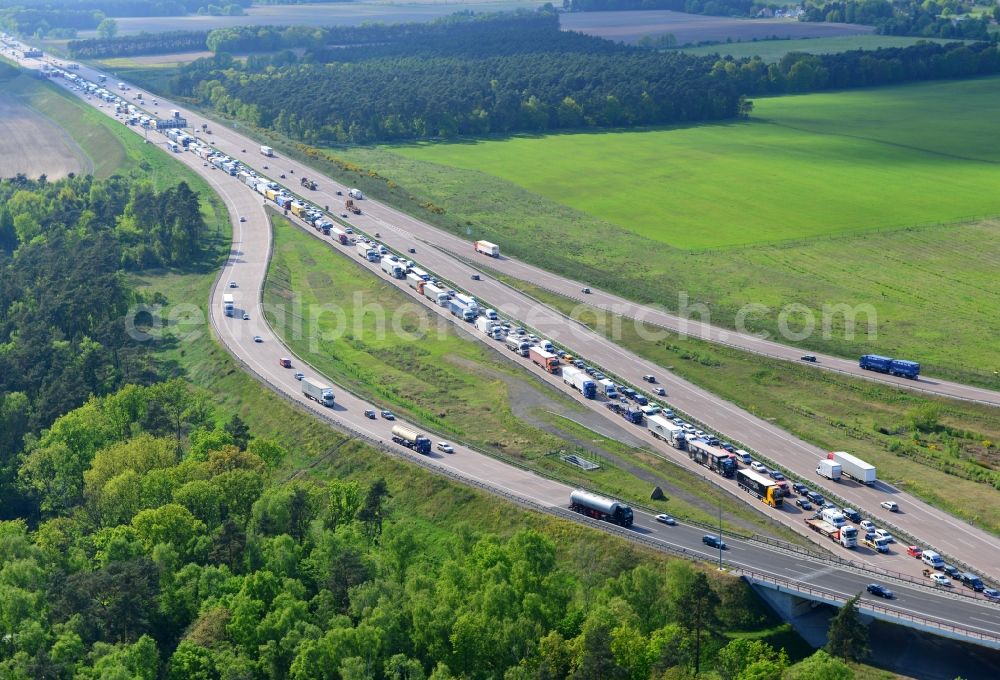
944,451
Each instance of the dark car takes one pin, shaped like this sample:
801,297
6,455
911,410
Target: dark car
970,580
728,447
413,250
852,514
809,357
713,542
803,503
952,570
776,475
476,277
641,400
370,413
816,498
388,415
881,591
801,489
649,378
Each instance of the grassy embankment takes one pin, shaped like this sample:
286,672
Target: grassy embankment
456,386
944,451
773,50
835,171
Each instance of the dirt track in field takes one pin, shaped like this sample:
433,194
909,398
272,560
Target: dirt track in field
33,145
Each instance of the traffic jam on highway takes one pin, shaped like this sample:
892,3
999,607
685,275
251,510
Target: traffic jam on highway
844,526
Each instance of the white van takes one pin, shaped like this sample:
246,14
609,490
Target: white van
932,559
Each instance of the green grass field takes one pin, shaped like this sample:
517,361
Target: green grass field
806,166
773,50
879,158
456,386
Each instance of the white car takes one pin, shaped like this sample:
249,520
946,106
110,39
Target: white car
446,447
940,579
890,506
882,533
867,525
758,467
666,519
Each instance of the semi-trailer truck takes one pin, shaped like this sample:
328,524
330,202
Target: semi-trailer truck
846,535
713,458
421,273
829,469
487,248
547,360
340,235
759,486
854,467
881,364
579,381
667,430
415,441
516,344
599,507
457,308
317,390
228,304
436,295
391,266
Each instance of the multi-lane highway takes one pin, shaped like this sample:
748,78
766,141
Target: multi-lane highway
955,539
244,149
247,267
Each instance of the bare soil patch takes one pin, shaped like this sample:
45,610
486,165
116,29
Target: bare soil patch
694,28
33,145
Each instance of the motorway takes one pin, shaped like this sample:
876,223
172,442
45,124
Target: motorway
956,540
248,264
233,144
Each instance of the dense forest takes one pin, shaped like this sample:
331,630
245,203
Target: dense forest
163,549
736,8
63,18
64,247
466,77
472,76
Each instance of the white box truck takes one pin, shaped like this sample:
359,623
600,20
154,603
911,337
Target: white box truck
609,388
355,194
267,151
484,325
321,392
827,468
228,304
853,467
487,248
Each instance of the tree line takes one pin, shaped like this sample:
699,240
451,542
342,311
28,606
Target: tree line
929,19
143,43
517,73
736,8
466,77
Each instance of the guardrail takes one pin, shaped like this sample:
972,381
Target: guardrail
893,612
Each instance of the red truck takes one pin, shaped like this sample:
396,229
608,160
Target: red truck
547,360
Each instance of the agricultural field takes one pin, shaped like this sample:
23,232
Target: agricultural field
30,143
335,14
773,50
695,28
819,199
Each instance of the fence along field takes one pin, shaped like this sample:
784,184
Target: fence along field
816,244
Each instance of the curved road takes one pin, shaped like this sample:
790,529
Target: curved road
247,265
957,540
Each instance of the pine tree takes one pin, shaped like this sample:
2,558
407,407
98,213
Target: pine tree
848,636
